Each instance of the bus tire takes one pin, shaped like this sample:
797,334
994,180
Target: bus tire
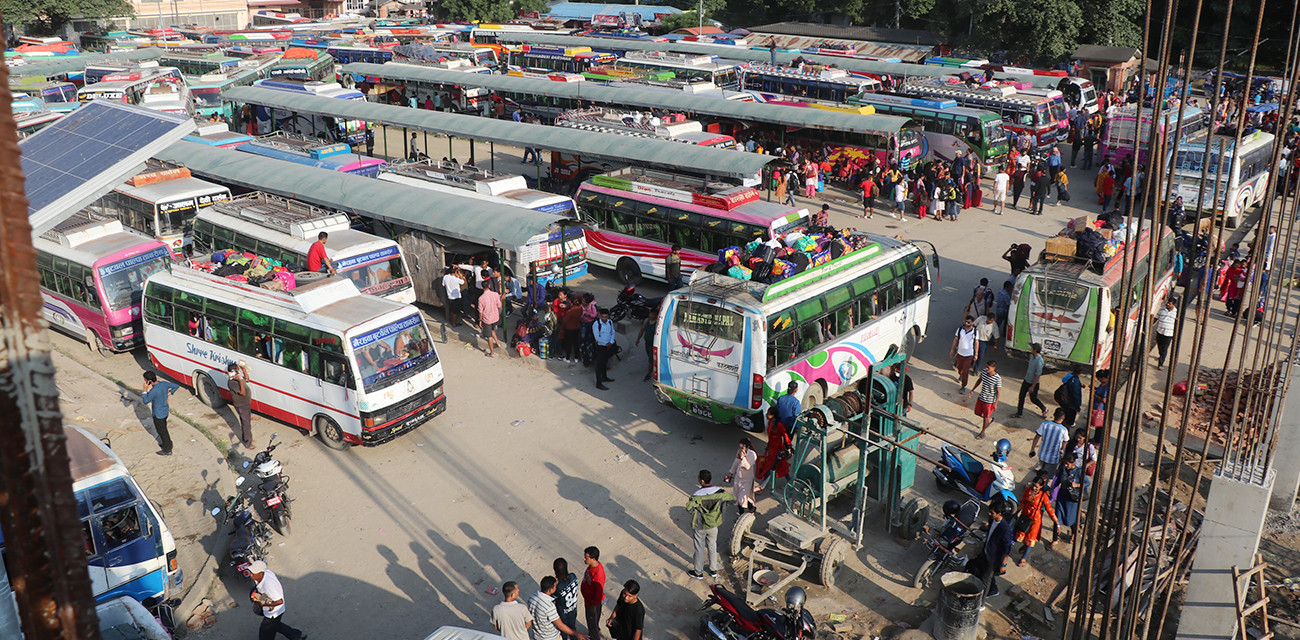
629,272
330,433
207,391
347,81
96,345
815,395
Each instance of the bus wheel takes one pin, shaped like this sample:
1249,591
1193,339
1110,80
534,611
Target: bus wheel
815,395
629,272
751,422
330,433
207,391
96,344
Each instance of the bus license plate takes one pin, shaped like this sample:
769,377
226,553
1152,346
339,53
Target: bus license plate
701,410
1052,345
271,502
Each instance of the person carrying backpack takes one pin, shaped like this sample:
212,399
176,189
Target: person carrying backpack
1070,394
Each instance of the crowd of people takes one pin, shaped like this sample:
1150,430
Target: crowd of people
552,611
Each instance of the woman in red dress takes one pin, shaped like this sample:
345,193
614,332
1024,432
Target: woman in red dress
778,440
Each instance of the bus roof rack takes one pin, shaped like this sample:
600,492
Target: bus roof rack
296,218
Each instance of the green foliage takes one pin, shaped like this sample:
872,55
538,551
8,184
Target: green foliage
1114,23
47,16
712,9
486,10
680,21
1044,30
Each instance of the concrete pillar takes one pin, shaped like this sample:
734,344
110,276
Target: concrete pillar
1234,518
1287,481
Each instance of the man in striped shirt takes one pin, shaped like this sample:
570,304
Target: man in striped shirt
1053,435
1166,321
990,389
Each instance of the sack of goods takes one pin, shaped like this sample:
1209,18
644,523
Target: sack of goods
793,253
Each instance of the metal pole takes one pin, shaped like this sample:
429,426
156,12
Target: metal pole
564,254
471,152
46,557
492,155
385,127
450,152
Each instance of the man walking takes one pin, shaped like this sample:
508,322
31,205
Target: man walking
1072,399
986,331
269,595
1052,434
241,398
511,618
990,390
628,620
997,545
593,590
155,395
705,506
489,314
673,267
451,284
1166,321
603,332
547,624
1000,183
1029,386
963,351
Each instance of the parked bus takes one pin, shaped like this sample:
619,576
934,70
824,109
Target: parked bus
441,51
91,275
193,63
351,368
1118,139
615,73
1079,94
161,202
1025,115
547,250
313,153
217,134
345,54
49,92
454,96
673,126
32,121
816,83
207,90
635,215
570,59
347,131
1065,303
726,349
1241,173
162,89
1057,109
949,129
721,73
284,230
303,64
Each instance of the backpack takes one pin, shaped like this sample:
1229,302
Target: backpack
1062,394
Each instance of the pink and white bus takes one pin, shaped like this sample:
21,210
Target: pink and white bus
92,273
635,215
1122,133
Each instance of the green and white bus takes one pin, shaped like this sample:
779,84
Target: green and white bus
725,348
1065,303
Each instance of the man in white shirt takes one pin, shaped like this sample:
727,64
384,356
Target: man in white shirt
451,286
269,595
510,617
1000,182
1023,161
963,351
1166,321
547,624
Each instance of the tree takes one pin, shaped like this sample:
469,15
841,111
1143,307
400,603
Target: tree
681,20
486,10
1116,23
48,16
1045,30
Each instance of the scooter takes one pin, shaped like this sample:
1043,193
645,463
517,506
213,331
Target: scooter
250,537
736,620
272,487
945,543
632,303
962,471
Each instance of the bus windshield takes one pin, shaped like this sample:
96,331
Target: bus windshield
369,272
1057,108
175,217
908,139
206,97
994,133
384,354
123,280
1041,117
709,320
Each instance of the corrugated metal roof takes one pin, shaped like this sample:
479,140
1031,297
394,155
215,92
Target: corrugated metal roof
465,219
656,98
658,153
870,34
62,64
739,53
585,10
905,52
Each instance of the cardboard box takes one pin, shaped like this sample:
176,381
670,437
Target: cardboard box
1060,248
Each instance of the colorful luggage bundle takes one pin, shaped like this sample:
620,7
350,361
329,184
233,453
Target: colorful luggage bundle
791,254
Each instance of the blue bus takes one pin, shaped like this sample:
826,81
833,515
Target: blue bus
314,153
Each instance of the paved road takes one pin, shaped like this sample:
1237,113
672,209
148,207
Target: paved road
530,462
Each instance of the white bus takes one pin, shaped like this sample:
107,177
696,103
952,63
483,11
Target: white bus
284,230
1241,172
351,368
543,253
685,66
335,129
161,202
725,348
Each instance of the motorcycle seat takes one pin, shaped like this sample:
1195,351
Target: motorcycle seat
973,466
742,608
242,542
269,484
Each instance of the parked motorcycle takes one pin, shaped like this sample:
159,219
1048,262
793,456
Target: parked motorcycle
250,537
736,620
963,472
945,542
634,304
272,487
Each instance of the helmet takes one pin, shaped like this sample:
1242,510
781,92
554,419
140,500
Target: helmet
795,597
1002,450
951,508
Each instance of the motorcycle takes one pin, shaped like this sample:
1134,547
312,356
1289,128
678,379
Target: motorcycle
250,537
272,487
961,471
946,542
736,620
632,303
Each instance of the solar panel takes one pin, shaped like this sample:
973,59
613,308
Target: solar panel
85,154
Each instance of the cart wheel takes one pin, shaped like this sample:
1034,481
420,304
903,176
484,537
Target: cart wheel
744,524
833,557
802,498
925,574
916,514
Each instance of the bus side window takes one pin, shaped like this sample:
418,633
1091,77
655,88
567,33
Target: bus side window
158,312
336,371
620,222
844,320
47,280
650,229
64,286
312,357
88,537
120,527
891,295
682,234
292,356
809,336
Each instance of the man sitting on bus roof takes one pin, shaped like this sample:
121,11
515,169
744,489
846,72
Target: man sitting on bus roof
317,260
